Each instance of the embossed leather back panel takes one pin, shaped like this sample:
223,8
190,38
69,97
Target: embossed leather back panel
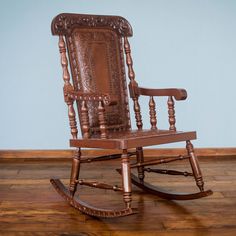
97,65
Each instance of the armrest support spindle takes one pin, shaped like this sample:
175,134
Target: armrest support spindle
72,119
84,119
171,112
102,121
152,112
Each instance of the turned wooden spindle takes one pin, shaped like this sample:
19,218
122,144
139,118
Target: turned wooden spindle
64,61
72,119
102,121
171,112
133,84
126,181
84,119
152,112
140,159
75,171
66,78
195,166
138,116
95,184
129,60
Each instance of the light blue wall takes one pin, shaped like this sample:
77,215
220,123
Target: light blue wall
176,43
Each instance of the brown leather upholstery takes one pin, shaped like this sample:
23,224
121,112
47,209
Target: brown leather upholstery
97,64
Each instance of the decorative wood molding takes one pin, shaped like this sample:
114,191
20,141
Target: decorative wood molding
67,154
64,23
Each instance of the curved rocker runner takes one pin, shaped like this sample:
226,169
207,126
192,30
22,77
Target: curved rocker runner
97,47
84,207
166,195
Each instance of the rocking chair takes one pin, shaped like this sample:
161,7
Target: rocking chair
96,46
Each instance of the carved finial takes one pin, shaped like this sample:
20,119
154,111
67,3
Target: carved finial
171,112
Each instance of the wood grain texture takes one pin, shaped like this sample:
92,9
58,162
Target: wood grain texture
68,153
29,205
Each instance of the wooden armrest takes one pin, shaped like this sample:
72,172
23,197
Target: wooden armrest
178,94
84,96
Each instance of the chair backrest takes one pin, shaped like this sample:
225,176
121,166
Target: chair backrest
95,50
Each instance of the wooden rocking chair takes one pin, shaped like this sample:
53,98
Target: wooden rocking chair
95,46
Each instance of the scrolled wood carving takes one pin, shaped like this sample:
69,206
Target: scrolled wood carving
63,24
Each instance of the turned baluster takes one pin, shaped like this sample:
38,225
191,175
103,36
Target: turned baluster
152,112
126,179
171,112
84,119
66,78
140,159
96,184
102,121
64,61
75,171
138,116
72,119
133,84
195,165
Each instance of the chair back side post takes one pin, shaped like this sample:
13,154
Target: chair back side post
67,85
133,86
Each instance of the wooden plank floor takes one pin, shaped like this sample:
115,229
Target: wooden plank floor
30,206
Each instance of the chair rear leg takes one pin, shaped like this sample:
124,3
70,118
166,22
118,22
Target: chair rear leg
195,166
139,155
75,172
126,178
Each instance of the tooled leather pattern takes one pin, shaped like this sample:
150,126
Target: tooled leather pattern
82,64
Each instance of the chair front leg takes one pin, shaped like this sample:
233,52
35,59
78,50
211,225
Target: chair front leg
195,166
139,155
126,178
75,171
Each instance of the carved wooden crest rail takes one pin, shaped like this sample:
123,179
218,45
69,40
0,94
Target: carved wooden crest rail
96,48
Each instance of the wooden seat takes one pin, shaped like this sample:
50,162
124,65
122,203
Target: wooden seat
97,48
133,138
